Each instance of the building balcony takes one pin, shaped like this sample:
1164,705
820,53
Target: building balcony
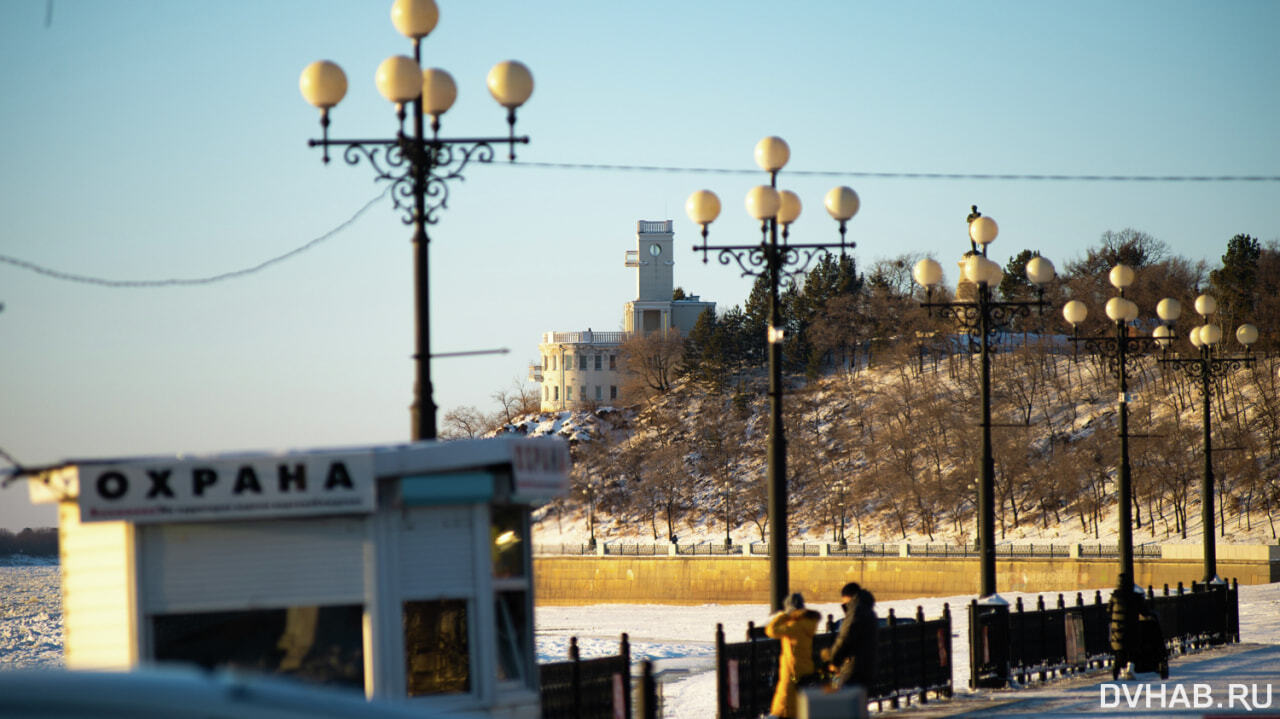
584,338
646,227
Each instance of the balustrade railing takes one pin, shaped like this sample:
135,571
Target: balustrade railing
819,549
588,337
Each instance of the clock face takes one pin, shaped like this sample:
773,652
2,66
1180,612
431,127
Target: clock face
655,249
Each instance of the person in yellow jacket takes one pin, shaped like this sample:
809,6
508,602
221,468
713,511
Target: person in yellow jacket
795,626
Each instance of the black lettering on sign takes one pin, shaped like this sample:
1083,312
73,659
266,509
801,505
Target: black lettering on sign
297,477
202,479
112,485
338,477
247,481
159,483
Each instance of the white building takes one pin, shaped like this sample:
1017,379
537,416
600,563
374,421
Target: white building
580,369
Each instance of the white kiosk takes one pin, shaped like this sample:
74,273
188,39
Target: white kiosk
401,570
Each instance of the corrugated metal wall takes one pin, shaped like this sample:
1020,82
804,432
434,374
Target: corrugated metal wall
251,564
98,608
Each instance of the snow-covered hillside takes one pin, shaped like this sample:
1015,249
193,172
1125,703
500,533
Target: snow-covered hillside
896,447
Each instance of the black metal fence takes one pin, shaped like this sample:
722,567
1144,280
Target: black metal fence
1053,641
818,549
588,688
913,659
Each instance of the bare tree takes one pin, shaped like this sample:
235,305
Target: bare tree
650,364
466,423
516,399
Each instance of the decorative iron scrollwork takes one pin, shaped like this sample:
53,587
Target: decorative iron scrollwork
969,316
417,165
1207,369
790,261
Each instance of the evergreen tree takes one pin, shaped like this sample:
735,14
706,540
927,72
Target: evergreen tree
1015,286
736,342
833,277
755,322
705,356
1235,284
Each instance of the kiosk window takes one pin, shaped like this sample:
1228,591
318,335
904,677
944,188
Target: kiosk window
506,527
513,631
437,658
316,644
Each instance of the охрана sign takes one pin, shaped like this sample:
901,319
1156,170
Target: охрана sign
182,490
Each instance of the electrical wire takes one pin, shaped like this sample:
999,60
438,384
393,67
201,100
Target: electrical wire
184,282
903,175
605,167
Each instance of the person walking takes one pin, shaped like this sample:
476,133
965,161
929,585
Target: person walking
852,656
795,626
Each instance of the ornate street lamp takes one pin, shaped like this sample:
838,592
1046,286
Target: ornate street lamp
983,317
1208,366
417,166
1119,350
778,261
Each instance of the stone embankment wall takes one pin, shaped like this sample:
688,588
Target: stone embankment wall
722,580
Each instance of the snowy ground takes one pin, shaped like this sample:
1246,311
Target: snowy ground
30,613
681,640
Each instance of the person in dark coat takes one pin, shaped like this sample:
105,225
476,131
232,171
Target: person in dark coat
853,655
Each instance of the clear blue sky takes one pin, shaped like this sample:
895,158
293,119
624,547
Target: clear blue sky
153,140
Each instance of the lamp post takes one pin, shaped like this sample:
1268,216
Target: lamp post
1206,366
841,539
982,318
417,166
728,499
778,261
1119,350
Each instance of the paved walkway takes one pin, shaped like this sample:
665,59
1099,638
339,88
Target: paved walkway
1242,680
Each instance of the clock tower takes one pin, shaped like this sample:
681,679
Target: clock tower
653,261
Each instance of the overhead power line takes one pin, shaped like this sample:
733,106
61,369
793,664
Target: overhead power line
901,175
605,167
182,282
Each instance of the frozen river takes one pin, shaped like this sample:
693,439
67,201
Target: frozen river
680,640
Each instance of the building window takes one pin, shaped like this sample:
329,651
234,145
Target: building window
544,362
568,393
568,361
598,390
613,362
322,644
556,392
553,361
437,658
514,652
584,393
508,531
582,362
613,392
599,361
